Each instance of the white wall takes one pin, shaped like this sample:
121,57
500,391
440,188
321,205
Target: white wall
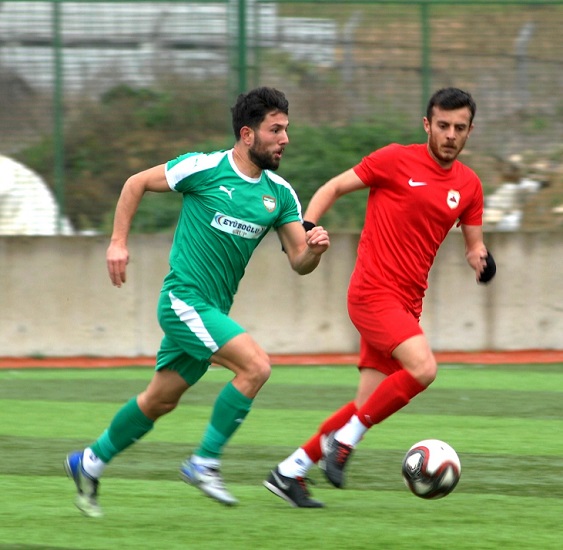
56,298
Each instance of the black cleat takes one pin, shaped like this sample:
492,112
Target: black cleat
293,490
335,457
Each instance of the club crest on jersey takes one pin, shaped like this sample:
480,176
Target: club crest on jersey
269,203
453,199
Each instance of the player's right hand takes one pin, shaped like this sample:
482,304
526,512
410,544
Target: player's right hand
117,258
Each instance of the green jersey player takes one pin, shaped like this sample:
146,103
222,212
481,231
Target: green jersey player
231,199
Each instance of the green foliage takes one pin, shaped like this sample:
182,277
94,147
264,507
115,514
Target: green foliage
150,108
157,212
126,131
316,154
131,129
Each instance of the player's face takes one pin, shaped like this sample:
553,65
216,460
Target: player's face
269,142
447,133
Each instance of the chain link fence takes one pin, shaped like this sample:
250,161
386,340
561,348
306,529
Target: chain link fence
94,91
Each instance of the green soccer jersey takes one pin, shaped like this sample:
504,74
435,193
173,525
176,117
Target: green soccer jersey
224,216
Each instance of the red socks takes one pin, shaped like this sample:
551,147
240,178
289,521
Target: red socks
391,395
332,423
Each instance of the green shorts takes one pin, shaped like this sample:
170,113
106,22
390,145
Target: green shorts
193,331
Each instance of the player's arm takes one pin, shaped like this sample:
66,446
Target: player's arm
476,253
117,255
304,248
330,192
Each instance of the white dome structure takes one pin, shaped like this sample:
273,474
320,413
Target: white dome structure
27,205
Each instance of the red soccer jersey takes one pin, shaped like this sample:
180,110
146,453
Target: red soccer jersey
412,205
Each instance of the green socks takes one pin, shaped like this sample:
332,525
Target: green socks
128,425
230,410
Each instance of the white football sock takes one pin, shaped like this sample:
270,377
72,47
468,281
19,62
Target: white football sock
92,465
352,432
204,461
296,465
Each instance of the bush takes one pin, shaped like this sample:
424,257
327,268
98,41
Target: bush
131,129
316,154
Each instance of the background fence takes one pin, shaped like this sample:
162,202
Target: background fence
93,91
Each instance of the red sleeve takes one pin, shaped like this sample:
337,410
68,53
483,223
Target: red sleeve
377,168
473,214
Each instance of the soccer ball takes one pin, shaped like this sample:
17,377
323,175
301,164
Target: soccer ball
431,469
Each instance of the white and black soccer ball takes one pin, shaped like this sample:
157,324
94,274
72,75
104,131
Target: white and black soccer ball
431,469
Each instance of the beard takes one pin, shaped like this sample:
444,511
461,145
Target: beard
263,159
445,155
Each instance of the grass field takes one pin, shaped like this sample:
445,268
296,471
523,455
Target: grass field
505,422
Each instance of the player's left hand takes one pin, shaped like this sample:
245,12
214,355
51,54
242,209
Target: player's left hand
316,237
482,261
489,270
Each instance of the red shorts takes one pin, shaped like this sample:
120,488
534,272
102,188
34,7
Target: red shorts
383,323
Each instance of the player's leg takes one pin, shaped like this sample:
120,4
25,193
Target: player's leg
247,360
135,418
338,419
415,369
392,394
132,422
226,344
390,335
251,368
300,461
289,479
417,358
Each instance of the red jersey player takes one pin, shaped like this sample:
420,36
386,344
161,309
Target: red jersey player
416,194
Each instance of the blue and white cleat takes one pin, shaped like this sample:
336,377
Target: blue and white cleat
208,480
87,498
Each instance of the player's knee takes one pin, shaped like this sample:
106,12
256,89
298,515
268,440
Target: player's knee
260,370
154,407
424,371
427,373
166,407
256,372
250,379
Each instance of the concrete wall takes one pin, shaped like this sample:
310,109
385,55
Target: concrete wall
56,298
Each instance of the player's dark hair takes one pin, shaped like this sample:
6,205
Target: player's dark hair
450,99
251,108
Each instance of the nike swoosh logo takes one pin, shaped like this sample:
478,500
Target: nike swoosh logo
283,485
416,183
